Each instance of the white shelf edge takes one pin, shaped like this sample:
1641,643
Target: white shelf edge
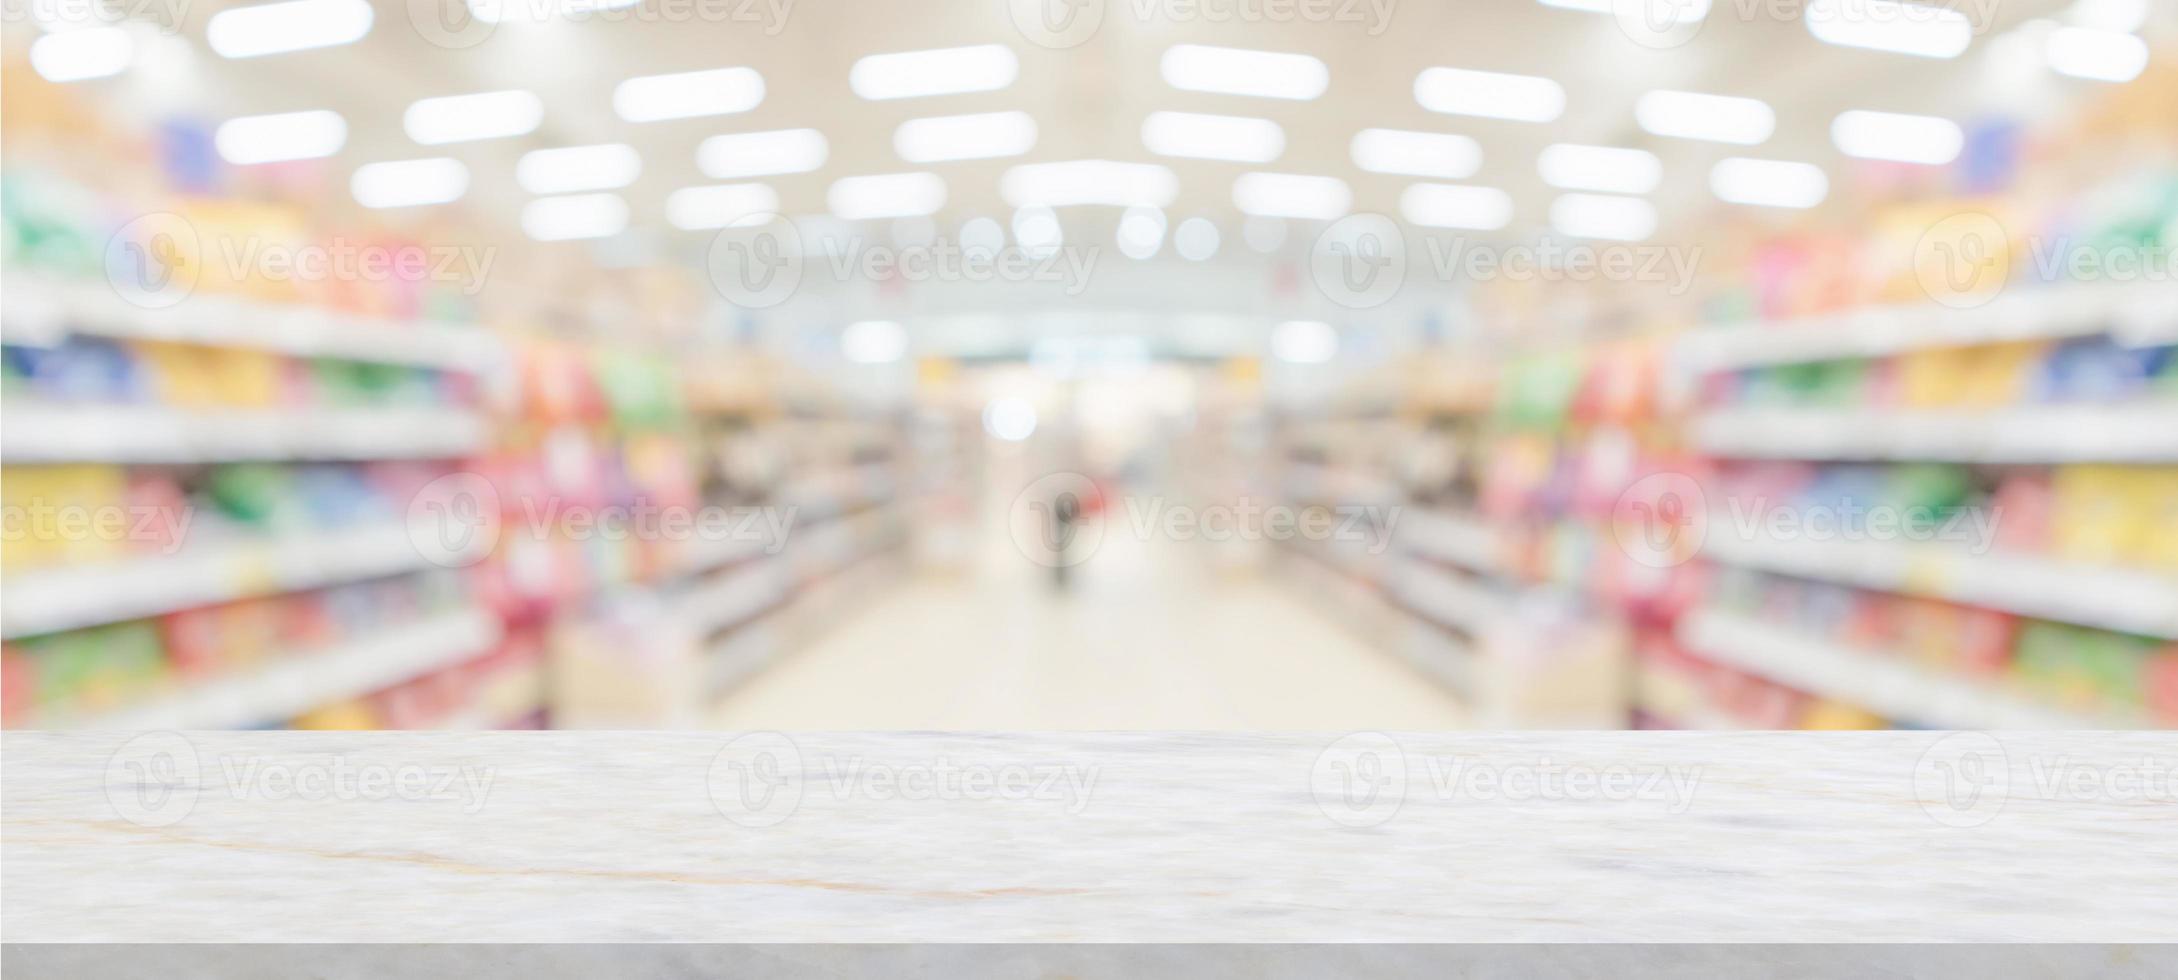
2119,599
2135,315
2139,432
290,685
46,310
73,597
1890,686
49,433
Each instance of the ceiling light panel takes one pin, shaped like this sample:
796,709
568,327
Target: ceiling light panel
1489,95
885,196
482,116
1603,216
1699,116
569,169
688,94
1292,196
1077,182
943,71
1456,206
1611,169
1924,30
976,136
559,219
733,156
281,136
1448,156
1241,139
1769,183
1897,136
409,183
296,25
1239,71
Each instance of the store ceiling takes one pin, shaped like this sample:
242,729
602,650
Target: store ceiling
1090,101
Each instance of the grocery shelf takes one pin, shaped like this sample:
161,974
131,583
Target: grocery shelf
47,433
2140,432
2133,314
1891,686
1446,598
41,312
51,599
1461,539
1675,699
734,597
2120,599
295,683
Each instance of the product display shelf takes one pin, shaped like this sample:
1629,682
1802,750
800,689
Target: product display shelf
208,572
42,311
2139,432
1890,685
2136,315
48,433
2120,599
290,684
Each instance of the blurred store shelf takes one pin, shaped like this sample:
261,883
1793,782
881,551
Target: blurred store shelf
292,683
40,312
2135,315
156,434
2125,600
1889,685
2130,433
1460,539
106,592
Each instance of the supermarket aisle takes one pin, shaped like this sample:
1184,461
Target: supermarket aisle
1152,639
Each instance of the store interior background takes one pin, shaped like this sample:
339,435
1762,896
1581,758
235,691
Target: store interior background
1536,480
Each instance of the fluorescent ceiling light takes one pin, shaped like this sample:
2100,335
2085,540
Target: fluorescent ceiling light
1600,168
1242,139
780,151
556,219
1896,136
1924,30
1603,216
1073,182
698,208
1399,151
1238,71
1489,94
408,183
483,116
568,169
281,136
885,196
944,71
873,342
296,25
1304,342
2102,56
1292,196
976,136
81,55
1770,183
688,94
1455,206
1716,118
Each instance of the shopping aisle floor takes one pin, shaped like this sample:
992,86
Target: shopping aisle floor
1151,637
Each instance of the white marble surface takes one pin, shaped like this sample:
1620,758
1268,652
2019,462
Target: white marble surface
575,837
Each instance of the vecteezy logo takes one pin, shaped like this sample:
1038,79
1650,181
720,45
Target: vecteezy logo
1360,780
1964,260
1057,23
1662,520
1360,261
455,520
1051,522
1660,24
454,24
756,780
152,780
1963,779
154,260
756,262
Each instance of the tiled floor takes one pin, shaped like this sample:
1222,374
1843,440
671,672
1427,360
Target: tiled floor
1150,637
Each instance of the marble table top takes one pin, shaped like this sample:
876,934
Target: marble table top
1143,837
